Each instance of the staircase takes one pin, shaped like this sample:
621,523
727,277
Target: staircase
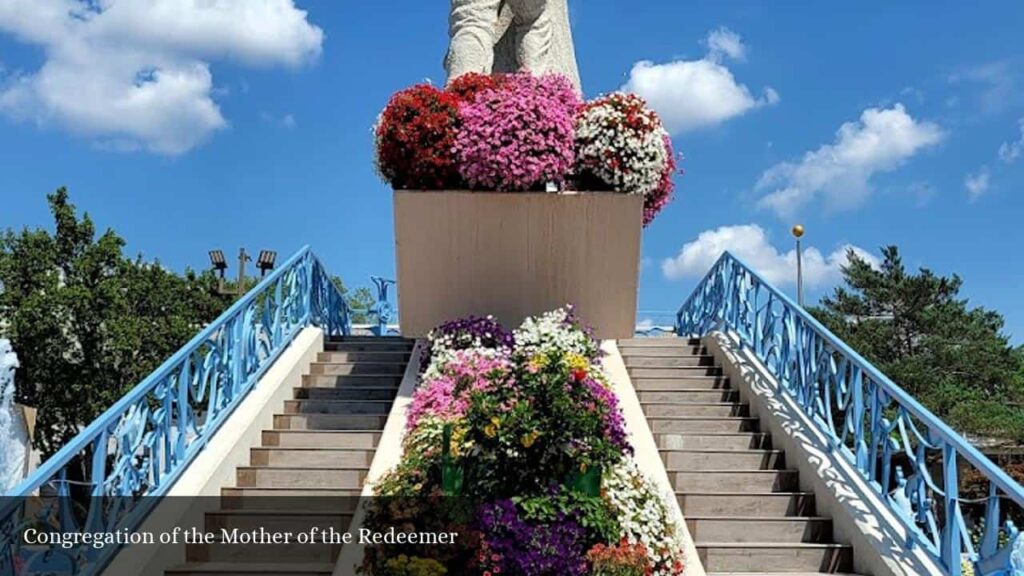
309,470
743,506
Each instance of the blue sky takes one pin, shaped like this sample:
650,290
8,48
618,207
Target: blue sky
870,123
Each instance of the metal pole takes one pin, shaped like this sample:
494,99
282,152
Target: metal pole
798,232
799,276
242,259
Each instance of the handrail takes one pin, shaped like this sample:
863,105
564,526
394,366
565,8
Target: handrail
871,421
136,449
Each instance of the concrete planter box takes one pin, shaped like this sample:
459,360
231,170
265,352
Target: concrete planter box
513,255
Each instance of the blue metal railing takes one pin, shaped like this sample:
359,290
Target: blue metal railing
133,452
890,437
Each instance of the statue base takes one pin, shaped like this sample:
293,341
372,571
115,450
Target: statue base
513,255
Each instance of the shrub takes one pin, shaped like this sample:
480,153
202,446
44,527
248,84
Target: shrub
518,136
414,138
621,145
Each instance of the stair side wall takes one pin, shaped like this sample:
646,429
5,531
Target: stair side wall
215,465
860,517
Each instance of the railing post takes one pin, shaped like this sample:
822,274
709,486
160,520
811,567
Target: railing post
950,550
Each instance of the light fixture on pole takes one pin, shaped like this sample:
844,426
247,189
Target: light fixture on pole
220,265
798,232
266,261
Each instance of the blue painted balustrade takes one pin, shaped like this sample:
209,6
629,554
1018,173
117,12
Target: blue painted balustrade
908,455
109,476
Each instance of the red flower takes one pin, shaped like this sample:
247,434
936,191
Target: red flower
466,87
579,374
415,137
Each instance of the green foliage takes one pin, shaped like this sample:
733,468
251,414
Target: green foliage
592,512
918,331
360,301
87,322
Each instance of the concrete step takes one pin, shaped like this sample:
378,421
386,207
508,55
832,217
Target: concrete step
630,352
674,372
710,441
703,425
252,569
690,395
688,383
718,481
268,498
276,520
764,505
758,529
368,338
349,439
368,346
299,477
320,406
683,460
359,393
330,421
365,356
667,342
774,557
773,574
356,380
346,368
694,409
641,361
311,457
278,553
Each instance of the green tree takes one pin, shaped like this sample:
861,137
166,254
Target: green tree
359,301
922,334
87,322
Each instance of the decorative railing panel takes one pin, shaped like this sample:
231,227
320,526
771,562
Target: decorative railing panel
110,475
913,459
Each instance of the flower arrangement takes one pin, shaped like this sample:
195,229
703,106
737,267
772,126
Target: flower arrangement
519,135
518,132
521,418
414,137
621,144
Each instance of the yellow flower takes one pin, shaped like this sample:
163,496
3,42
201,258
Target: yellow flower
491,430
528,439
577,362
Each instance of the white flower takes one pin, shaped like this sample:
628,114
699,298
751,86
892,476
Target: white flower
644,515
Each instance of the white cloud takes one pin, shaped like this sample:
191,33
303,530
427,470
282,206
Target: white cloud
694,94
1009,152
724,43
840,172
998,84
978,183
136,73
750,243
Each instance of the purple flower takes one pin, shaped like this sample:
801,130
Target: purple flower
516,546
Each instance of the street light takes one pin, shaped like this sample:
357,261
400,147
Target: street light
798,232
220,264
266,261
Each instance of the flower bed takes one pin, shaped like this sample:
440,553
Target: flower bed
518,133
516,442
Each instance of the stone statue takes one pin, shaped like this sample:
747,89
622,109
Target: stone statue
509,35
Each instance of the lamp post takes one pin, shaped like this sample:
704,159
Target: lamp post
265,262
798,232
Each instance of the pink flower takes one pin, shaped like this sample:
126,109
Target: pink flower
519,135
